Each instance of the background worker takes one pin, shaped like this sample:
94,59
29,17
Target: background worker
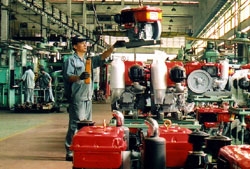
80,101
29,83
45,82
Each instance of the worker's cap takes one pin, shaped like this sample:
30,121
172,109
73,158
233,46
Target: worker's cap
42,69
29,67
76,39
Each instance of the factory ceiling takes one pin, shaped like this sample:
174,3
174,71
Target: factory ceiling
88,17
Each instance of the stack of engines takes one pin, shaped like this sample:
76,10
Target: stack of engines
138,88
162,87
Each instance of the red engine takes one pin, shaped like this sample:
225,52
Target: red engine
203,77
143,22
234,156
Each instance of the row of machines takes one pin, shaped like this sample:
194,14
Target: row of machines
161,146
156,108
15,57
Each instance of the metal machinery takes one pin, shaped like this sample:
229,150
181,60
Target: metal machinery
240,111
142,25
15,57
48,57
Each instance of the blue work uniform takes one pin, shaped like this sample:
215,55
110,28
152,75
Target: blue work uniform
29,84
80,106
44,84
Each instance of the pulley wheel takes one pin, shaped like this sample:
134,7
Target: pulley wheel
199,81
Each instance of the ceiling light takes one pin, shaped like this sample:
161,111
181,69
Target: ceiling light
169,28
171,20
173,9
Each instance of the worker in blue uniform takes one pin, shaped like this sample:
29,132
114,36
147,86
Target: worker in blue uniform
29,83
80,101
45,81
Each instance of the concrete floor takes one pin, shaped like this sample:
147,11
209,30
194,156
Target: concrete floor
36,140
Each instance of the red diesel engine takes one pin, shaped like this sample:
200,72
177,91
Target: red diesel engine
169,89
141,23
205,77
208,84
130,87
95,146
234,156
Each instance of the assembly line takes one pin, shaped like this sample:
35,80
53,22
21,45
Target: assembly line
80,106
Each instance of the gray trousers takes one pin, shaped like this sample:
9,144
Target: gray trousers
29,95
78,111
49,95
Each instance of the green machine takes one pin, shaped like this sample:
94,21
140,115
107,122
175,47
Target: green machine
12,64
210,54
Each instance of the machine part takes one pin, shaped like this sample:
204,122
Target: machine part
154,147
119,118
117,74
142,23
136,73
214,143
117,79
234,156
149,31
153,127
154,153
139,87
177,74
89,151
120,123
158,80
139,43
239,83
177,145
212,70
199,81
167,123
197,158
244,83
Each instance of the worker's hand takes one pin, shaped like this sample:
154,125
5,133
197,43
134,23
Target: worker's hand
84,75
119,44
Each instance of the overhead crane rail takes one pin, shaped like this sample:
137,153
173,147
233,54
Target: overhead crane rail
62,20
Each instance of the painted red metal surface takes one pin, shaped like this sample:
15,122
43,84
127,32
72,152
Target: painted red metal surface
145,13
192,66
222,114
177,146
98,147
236,156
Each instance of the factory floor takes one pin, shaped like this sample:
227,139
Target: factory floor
36,140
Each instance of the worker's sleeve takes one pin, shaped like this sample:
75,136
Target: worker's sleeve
24,76
69,67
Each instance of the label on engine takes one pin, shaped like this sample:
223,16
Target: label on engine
153,15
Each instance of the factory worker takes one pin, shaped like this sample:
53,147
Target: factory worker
29,83
45,82
80,101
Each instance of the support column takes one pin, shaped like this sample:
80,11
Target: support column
4,27
84,14
69,14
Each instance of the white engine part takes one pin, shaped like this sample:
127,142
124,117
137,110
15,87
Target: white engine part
199,81
158,79
117,79
222,82
238,94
